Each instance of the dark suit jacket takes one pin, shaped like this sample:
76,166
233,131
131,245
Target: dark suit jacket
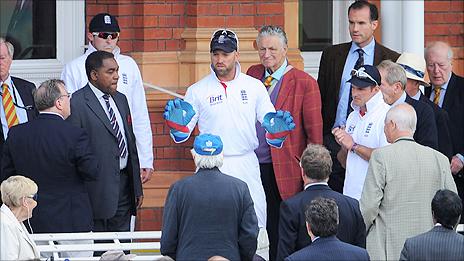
426,129
87,113
453,103
330,75
439,243
57,156
25,89
208,214
293,234
445,145
298,94
329,248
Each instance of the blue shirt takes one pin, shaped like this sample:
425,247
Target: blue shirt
20,112
278,73
345,87
442,92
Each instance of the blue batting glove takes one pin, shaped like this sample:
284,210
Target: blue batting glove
178,114
277,125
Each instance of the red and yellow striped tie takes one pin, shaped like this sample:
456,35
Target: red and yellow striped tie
268,81
437,91
9,107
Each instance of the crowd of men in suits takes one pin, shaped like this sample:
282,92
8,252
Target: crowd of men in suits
388,148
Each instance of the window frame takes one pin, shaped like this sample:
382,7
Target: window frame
70,43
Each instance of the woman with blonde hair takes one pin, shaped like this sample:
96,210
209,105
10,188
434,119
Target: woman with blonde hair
19,196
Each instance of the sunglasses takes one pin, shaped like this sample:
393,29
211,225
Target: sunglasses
363,75
34,197
105,35
225,32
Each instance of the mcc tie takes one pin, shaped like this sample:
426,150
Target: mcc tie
9,107
268,81
437,91
114,123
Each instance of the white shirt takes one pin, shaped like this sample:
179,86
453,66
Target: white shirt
15,242
366,130
99,94
231,114
130,84
20,112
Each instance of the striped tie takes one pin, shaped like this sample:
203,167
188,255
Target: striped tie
9,107
268,81
437,91
114,123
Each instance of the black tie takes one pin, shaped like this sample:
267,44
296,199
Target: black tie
358,64
360,61
115,125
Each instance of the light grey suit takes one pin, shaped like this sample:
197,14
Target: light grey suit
439,243
88,113
401,181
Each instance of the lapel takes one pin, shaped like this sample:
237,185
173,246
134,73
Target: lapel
119,101
451,93
378,54
339,60
284,91
97,109
12,219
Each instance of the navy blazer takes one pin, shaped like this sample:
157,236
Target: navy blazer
329,248
439,243
209,214
57,156
426,129
88,113
25,89
445,145
293,234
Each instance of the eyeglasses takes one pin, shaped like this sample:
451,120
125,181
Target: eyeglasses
65,95
363,75
105,35
226,32
34,197
412,70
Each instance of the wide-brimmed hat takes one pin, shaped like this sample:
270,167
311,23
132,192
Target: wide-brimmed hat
414,65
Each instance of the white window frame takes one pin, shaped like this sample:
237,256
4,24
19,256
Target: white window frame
70,41
340,34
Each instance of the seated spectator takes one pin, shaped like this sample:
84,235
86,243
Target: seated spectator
441,242
322,223
19,195
209,213
317,166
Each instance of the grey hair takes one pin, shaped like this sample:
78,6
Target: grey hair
15,188
271,30
46,95
394,73
207,162
433,45
9,46
316,162
404,116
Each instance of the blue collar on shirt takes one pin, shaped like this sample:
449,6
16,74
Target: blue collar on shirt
368,49
279,72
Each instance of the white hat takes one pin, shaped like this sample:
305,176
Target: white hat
414,65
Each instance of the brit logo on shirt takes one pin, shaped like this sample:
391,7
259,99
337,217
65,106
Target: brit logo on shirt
368,129
124,78
244,96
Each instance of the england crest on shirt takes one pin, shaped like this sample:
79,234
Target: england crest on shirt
124,78
244,96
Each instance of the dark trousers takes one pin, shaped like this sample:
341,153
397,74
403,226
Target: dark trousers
273,200
337,177
459,180
120,222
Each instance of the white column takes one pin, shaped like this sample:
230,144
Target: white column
413,26
391,24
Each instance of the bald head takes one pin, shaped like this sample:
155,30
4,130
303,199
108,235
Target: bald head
400,122
438,57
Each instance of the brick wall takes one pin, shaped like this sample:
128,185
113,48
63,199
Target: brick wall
444,21
156,25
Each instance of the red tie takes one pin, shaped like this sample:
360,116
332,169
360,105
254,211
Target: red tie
9,107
